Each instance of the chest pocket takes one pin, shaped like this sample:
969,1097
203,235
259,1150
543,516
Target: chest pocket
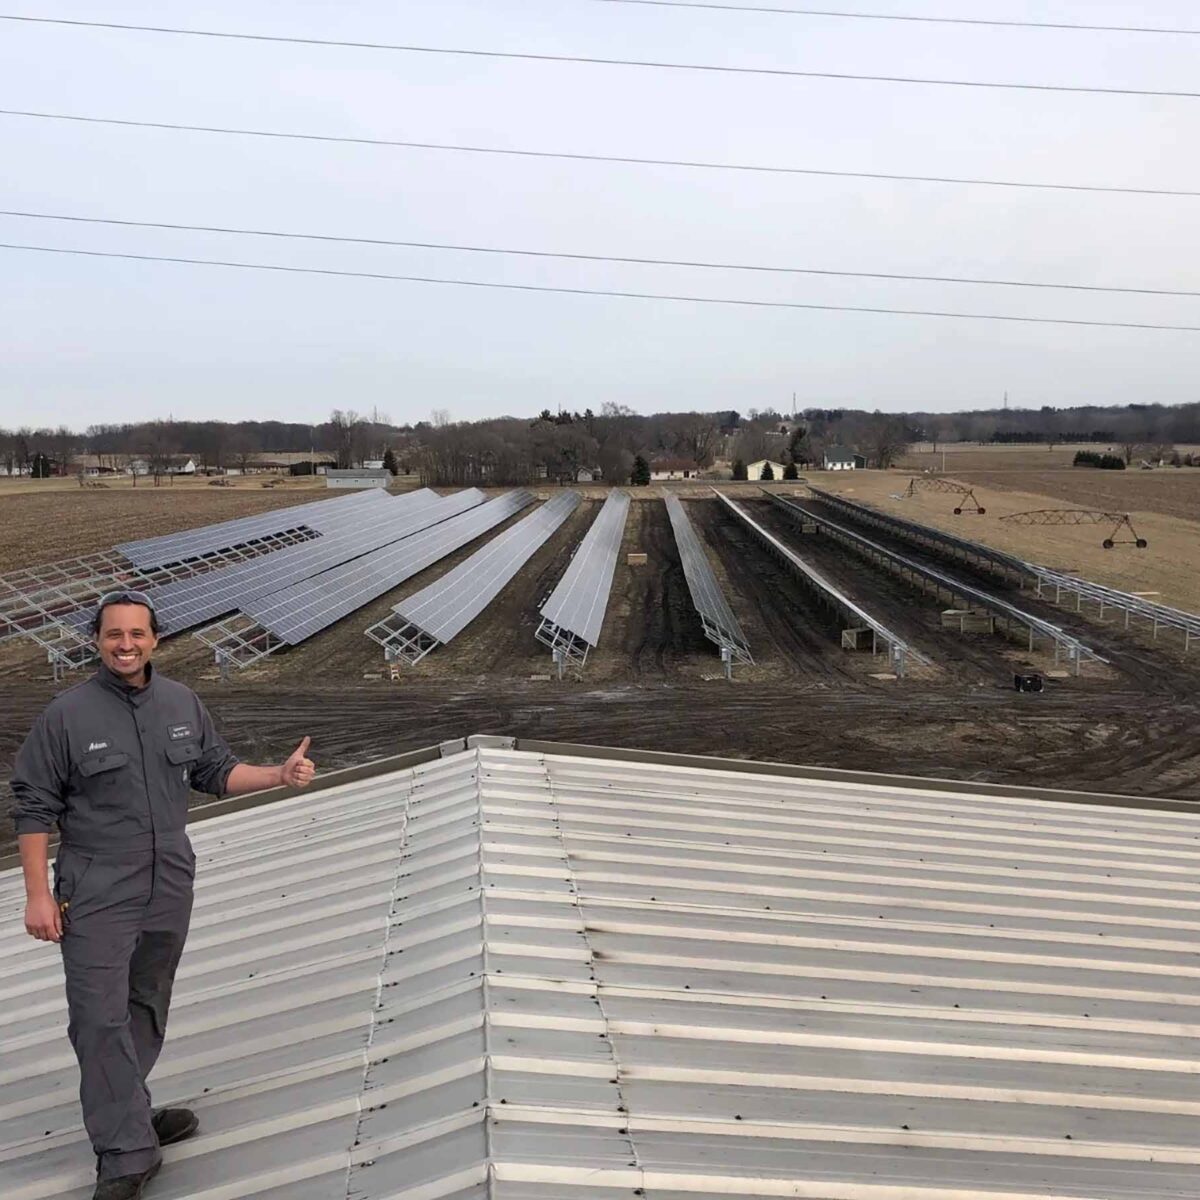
183,756
101,773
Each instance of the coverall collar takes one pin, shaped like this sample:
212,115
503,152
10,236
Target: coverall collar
114,682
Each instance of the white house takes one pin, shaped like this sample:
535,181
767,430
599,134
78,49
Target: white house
754,470
674,468
840,458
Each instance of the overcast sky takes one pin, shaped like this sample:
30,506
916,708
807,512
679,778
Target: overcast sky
89,340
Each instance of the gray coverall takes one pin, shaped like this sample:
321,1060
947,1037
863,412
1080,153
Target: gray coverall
111,766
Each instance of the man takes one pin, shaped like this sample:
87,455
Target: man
110,762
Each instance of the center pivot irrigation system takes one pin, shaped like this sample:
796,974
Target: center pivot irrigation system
935,483
1083,516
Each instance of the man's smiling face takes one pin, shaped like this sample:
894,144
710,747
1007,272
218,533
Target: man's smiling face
126,641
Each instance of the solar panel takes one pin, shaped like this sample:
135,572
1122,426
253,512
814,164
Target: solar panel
297,612
189,602
190,543
194,601
440,612
573,615
720,625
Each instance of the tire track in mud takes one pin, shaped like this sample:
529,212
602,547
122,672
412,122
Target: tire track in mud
1124,742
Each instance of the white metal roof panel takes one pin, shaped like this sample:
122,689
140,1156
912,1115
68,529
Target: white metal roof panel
510,975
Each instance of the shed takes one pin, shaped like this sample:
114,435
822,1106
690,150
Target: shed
360,478
754,470
511,969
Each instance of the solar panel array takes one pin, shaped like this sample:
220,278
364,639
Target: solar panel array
195,601
577,605
190,543
445,608
297,612
186,603
720,625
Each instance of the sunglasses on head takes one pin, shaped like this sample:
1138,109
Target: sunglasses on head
124,598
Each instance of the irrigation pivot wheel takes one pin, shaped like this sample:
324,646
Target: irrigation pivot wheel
1083,516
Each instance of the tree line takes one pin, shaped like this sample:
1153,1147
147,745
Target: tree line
566,445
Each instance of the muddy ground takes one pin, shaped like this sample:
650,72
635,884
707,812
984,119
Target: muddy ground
655,682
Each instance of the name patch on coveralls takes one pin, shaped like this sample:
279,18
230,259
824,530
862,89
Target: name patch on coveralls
178,733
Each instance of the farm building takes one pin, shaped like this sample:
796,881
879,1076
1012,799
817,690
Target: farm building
674,468
498,968
357,478
755,470
842,458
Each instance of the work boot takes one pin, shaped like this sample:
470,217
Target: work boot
174,1124
125,1187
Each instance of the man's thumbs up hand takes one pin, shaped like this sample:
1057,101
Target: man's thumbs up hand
298,771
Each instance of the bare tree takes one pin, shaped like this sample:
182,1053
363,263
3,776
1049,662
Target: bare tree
886,438
350,436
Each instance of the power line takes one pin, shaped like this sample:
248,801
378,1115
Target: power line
587,60
612,293
874,16
568,156
596,258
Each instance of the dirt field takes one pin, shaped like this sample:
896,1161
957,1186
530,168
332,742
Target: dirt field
1173,493
1048,473
42,520
655,682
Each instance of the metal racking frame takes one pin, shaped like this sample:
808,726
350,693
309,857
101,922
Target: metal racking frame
1026,574
716,616
1008,615
1159,615
997,562
899,651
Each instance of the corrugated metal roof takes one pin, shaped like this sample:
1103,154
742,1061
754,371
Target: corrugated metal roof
522,975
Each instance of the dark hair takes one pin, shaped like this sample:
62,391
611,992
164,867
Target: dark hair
124,598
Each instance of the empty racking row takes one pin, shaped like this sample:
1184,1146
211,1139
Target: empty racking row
1026,575
1015,621
857,617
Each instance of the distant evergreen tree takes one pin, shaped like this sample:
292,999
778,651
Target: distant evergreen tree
40,467
389,461
640,475
739,469
767,473
790,471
